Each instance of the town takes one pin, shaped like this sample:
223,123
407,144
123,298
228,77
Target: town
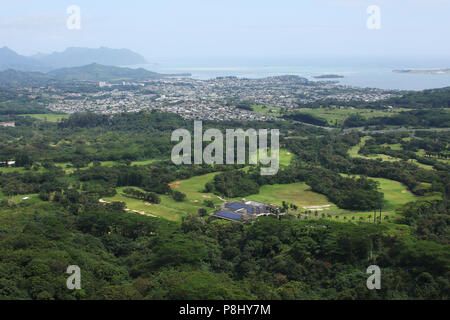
215,99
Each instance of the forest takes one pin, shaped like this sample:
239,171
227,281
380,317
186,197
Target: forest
426,99
72,164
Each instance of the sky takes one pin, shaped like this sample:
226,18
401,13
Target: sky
227,29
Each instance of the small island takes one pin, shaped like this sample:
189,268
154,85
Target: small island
438,71
329,76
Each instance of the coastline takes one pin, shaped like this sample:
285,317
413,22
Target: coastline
408,71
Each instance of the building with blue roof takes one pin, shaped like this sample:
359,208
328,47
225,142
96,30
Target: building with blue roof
229,215
243,211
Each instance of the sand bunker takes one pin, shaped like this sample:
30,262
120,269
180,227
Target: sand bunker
175,184
142,213
318,208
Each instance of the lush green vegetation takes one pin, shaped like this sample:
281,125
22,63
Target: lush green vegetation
124,256
438,118
98,192
426,99
307,118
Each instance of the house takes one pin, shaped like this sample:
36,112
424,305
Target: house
8,124
243,211
7,163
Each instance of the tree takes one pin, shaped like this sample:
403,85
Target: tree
178,196
23,160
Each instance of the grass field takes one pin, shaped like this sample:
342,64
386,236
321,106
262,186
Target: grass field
48,117
195,196
296,193
353,152
395,193
12,169
396,146
32,198
332,115
422,153
299,194
169,208
67,166
285,157
267,110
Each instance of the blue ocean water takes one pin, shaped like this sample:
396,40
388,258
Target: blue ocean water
374,76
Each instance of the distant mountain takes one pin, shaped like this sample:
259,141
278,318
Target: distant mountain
76,57
91,72
9,59
71,57
98,72
38,55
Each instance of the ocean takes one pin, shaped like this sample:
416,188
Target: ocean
358,75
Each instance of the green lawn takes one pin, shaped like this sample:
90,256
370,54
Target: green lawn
285,157
48,117
396,146
353,152
395,193
169,208
67,166
12,169
145,162
160,210
422,153
333,115
33,198
267,110
299,194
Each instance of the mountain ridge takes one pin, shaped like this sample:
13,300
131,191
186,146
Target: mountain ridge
92,72
70,57
80,56
9,59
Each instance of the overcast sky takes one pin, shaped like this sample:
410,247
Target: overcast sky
231,28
